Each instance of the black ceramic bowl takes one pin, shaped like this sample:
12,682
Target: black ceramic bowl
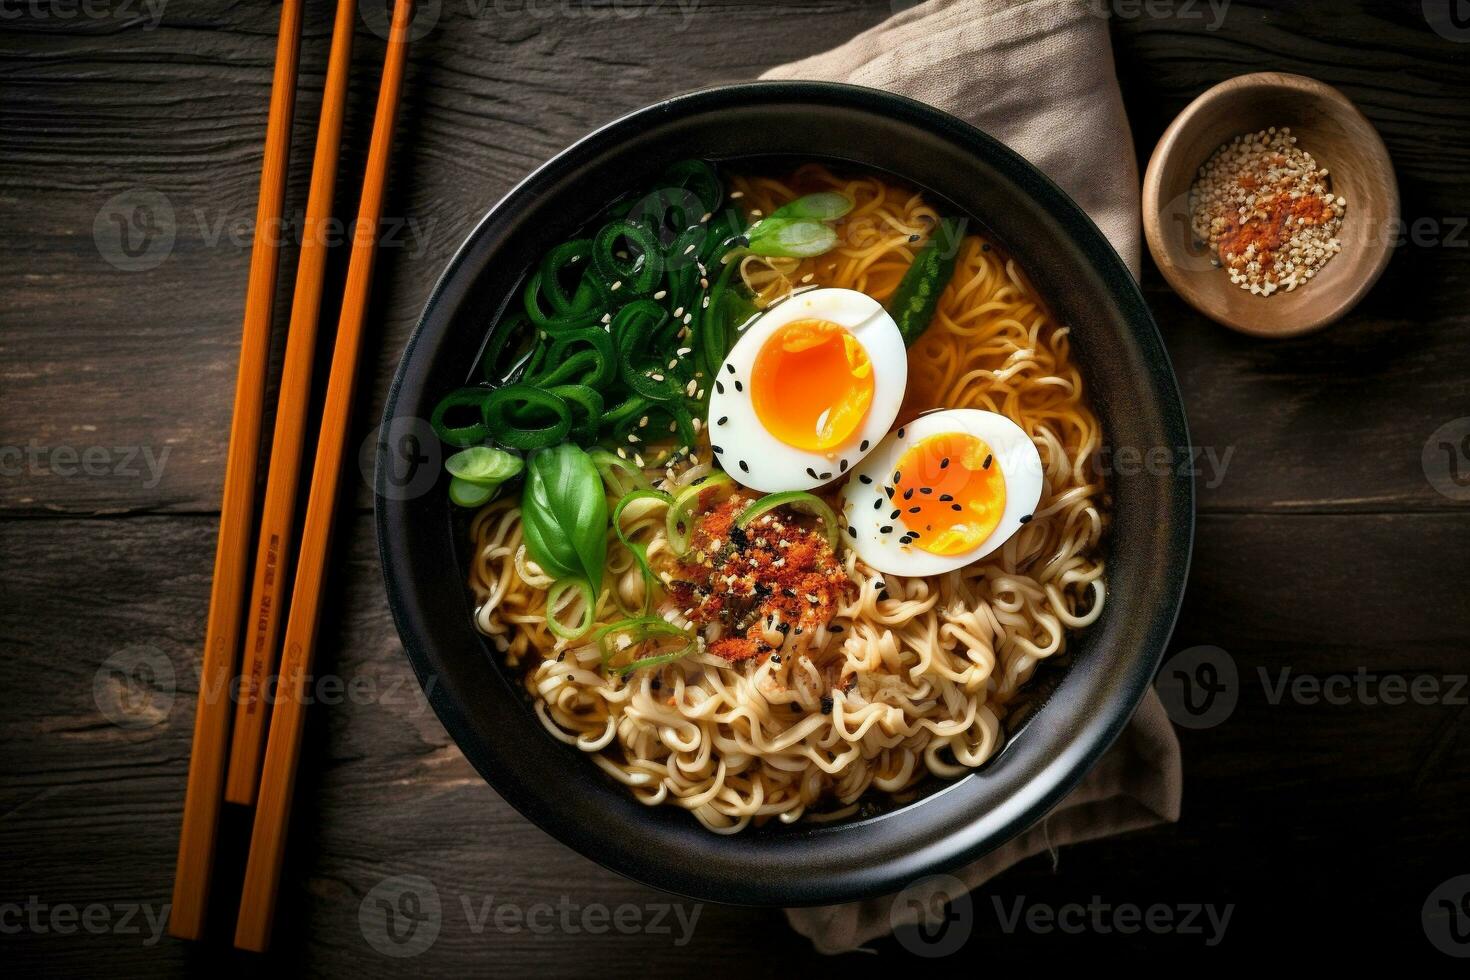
1133,390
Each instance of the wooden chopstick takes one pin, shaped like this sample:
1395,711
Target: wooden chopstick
237,508
273,548
283,749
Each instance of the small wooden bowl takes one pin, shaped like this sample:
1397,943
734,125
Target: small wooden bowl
1336,134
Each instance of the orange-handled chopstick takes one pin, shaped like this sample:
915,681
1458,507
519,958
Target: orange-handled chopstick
237,508
283,749
277,517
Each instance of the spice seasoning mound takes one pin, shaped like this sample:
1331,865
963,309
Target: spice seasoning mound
1266,211
770,574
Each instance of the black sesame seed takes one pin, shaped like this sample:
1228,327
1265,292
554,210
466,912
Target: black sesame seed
955,507
720,387
913,238
795,708
915,534
835,628
986,465
730,368
1026,519
744,468
864,478
842,466
944,463
561,656
878,504
945,497
852,532
717,450
739,386
886,529
900,432
884,595
897,477
926,490
894,516
825,476
775,658
914,510
864,446
908,494
722,420
881,586
789,593
827,704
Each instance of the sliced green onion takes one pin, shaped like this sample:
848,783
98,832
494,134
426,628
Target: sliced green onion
587,405
791,238
823,206
796,500
484,465
619,475
637,631
638,549
467,494
501,402
461,400
680,523
558,589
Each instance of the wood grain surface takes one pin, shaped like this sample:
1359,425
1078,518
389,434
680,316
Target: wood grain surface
1326,550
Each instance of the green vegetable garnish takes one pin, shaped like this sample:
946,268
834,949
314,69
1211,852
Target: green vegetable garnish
564,515
605,341
589,608
635,633
796,500
483,465
796,229
796,238
680,521
824,206
914,301
465,493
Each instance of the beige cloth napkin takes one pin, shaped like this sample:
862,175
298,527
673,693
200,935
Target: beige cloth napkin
1038,75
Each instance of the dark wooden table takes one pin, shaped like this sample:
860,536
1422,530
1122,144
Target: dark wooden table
1331,551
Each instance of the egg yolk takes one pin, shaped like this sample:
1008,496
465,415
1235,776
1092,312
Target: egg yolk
812,384
950,493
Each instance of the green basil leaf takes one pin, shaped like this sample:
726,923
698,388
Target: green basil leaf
824,206
564,514
798,238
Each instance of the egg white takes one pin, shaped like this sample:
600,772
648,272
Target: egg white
1020,465
748,451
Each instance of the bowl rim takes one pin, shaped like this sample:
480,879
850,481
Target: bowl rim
802,882
1166,149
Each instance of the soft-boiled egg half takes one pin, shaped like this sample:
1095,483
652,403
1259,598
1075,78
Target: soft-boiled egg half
808,390
943,491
